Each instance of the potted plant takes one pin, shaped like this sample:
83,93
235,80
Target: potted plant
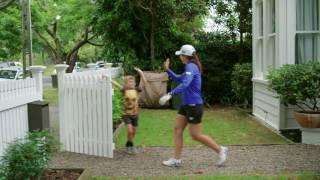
299,85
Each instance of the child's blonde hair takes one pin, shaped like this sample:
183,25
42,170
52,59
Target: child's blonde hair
128,78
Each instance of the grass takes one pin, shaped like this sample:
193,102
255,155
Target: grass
281,177
51,95
225,125
48,71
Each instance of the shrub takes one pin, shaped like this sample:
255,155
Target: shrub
219,55
298,84
27,158
51,144
241,83
117,105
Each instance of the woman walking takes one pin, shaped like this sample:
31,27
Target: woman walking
191,110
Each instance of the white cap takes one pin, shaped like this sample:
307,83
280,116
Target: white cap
187,50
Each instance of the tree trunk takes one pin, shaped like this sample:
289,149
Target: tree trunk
152,33
72,61
72,56
241,48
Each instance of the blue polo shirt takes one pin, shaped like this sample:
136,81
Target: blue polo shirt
190,84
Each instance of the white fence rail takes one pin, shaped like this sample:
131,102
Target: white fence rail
85,106
14,97
16,93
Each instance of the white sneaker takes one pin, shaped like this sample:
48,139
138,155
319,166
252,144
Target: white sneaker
222,155
134,150
172,162
129,150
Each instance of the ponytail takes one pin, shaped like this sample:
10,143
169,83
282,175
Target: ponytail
196,60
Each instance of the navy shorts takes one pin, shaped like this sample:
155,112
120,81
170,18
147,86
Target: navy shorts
131,119
193,113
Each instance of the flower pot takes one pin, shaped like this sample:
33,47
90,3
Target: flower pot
308,119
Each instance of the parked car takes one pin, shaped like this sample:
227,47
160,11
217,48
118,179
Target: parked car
15,64
77,67
11,74
4,65
100,64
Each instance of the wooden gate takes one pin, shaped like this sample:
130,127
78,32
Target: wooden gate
85,108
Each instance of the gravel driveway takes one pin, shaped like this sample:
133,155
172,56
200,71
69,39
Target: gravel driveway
199,160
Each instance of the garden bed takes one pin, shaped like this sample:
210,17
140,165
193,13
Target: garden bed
66,174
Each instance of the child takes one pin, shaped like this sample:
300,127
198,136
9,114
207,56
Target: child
131,107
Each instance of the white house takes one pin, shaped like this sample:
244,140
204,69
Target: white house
284,32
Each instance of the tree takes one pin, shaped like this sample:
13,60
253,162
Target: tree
63,27
59,27
10,30
5,3
147,30
236,15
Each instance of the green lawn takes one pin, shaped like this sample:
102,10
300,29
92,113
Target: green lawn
225,125
284,177
48,71
51,95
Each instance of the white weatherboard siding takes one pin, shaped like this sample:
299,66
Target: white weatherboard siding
290,122
274,42
266,105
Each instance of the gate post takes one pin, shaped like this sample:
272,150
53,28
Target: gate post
37,75
61,70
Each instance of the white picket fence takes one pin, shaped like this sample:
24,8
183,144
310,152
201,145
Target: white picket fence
85,111
14,97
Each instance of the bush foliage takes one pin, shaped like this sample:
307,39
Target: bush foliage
298,84
117,103
219,54
27,158
117,106
241,84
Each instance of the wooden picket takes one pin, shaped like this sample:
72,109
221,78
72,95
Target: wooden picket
86,107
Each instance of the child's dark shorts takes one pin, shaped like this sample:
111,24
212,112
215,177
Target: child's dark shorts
131,119
193,113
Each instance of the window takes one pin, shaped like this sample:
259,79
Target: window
260,18
265,36
307,40
259,45
271,26
272,16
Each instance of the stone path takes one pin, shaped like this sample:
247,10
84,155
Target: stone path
199,160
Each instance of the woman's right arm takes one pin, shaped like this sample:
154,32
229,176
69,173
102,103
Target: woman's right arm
171,74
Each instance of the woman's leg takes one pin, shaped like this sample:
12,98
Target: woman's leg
181,123
195,132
